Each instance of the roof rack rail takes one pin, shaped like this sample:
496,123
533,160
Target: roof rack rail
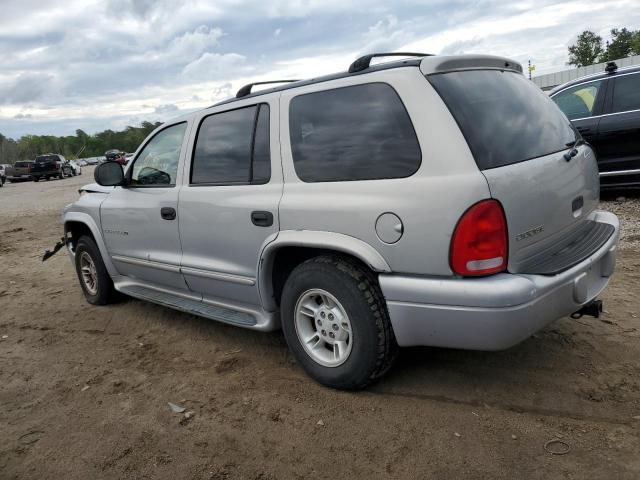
364,62
611,67
246,90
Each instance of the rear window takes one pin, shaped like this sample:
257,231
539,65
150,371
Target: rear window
504,117
362,132
47,158
22,164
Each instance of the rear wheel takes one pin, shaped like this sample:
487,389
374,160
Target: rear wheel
94,279
336,323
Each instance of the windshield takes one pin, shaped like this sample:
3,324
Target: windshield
504,117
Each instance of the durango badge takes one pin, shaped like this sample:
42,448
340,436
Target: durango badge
529,233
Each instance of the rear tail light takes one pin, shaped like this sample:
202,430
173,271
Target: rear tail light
479,244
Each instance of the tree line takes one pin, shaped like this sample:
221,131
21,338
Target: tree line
589,48
80,145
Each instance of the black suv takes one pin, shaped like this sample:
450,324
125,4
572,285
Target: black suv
50,165
605,108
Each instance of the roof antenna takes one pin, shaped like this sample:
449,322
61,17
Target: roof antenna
611,67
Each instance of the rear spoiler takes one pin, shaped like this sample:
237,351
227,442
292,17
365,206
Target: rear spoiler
454,63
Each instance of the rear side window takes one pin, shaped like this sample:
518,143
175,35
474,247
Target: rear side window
504,117
626,93
579,101
233,148
361,132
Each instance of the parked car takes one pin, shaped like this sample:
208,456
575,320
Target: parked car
75,167
50,165
115,156
92,160
605,108
3,173
128,157
391,205
82,162
19,171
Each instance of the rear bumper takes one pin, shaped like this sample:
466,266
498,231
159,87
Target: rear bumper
496,312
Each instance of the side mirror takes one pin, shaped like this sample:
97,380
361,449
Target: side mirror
109,174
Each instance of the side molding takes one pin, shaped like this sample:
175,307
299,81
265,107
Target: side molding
312,239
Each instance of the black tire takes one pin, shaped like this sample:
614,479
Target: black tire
374,347
105,291
36,179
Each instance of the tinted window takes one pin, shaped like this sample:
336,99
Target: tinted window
224,146
578,101
353,133
47,158
157,164
504,117
626,93
261,148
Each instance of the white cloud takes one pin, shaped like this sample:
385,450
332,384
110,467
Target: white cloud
96,64
212,66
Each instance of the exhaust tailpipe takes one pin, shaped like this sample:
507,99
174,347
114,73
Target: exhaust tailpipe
592,309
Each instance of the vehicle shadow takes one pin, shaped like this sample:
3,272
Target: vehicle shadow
556,372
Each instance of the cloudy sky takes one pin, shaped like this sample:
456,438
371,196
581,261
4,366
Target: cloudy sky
94,65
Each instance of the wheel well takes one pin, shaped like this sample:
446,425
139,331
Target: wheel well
287,258
77,230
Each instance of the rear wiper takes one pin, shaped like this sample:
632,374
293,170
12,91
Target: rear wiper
573,150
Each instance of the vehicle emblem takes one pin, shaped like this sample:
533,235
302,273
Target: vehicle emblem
529,233
116,232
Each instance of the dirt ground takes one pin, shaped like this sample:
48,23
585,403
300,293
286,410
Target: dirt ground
84,390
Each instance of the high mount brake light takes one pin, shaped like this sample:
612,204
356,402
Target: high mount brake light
479,245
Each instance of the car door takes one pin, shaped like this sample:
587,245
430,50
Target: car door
228,206
620,126
582,104
139,220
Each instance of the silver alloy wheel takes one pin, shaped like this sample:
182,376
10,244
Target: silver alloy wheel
323,327
89,273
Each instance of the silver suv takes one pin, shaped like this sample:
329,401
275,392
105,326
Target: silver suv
441,201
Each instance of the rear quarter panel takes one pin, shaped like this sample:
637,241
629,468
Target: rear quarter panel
429,203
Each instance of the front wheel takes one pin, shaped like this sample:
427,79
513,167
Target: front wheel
94,279
336,323
36,179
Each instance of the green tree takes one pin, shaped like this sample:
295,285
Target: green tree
80,145
635,43
620,45
586,50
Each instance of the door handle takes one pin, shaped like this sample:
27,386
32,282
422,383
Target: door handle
168,213
262,219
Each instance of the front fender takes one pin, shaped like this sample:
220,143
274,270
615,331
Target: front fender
88,220
312,239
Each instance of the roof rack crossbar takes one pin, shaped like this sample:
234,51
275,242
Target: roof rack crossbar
364,62
246,90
